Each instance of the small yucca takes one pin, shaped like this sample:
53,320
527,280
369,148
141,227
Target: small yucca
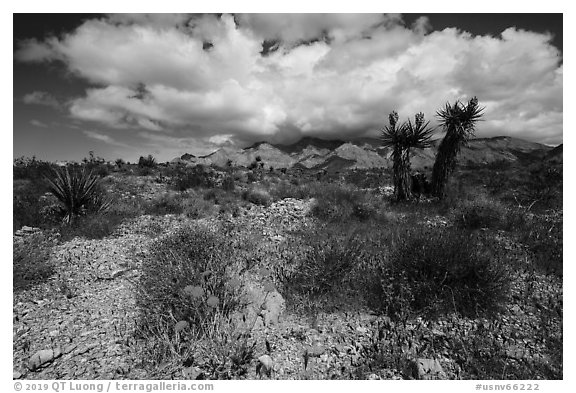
77,191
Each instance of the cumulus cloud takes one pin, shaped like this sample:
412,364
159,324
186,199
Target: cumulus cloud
41,98
206,78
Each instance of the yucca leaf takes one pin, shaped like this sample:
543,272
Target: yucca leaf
76,191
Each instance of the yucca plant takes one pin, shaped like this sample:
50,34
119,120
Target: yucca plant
459,121
147,162
77,191
401,139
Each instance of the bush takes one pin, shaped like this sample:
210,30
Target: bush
434,271
144,171
337,203
192,177
228,183
544,238
31,169
26,208
480,212
31,259
545,186
257,196
195,207
165,204
284,189
186,286
324,262
28,187
103,224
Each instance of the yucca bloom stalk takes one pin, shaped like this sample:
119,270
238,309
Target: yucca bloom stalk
459,121
76,191
401,139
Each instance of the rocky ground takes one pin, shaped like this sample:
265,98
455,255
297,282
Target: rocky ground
80,323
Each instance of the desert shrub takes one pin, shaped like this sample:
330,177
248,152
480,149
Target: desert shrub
544,237
96,165
337,203
186,286
29,186
144,171
94,226
363,210
78,192
31,169
99,169
251,177
544,187
165,204
195,207
433,271
31,259
119,163
257,196
103,224
285,189
211,195
326,258
228,183
26,208
479,213
192,177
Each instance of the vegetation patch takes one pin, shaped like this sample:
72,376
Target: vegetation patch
31,262
433,271
187,288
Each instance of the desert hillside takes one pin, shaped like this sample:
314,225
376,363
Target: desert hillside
291,262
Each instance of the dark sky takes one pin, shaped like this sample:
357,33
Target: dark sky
45,91
481,24
41,25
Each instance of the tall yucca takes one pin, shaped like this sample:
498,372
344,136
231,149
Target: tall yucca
76,191
401,139
459,121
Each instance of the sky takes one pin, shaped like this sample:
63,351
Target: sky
127,85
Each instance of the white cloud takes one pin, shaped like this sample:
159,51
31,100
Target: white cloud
292,28
38,123
343,84
32,50
98,136
41,98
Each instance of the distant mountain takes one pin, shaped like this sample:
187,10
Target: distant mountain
556,155
335,155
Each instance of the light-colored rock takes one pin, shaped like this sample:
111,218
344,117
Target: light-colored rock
273,308
265,366
193,373
42,357
516,352
16,374
425,369
315,350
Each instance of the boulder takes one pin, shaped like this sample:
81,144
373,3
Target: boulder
265,366
425,369
42,357
273,308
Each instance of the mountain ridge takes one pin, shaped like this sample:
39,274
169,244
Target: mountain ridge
364,153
